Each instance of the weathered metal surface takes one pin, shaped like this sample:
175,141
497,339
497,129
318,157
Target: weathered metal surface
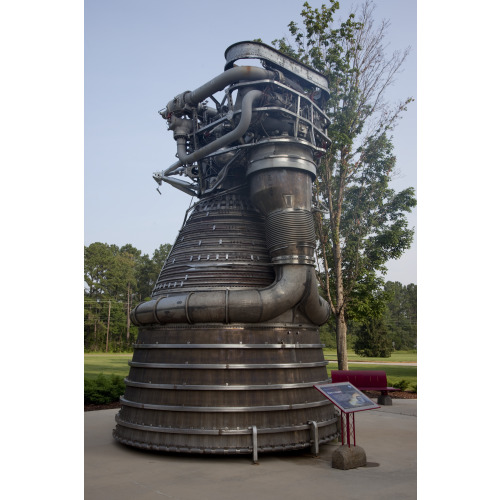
257,50
204,398
228,351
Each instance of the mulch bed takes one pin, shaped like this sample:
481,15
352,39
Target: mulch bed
370,394
109,406
394,395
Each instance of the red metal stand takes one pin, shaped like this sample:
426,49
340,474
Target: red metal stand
348,428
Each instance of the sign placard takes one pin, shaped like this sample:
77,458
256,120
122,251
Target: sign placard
346,397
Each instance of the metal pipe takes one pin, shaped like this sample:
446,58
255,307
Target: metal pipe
184,186
254,444
295,284
233,135
220,82
315,437
217,84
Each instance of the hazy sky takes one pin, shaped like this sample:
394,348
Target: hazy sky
139,55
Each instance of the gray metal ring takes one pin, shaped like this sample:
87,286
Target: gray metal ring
228,346
218,432
223,409
183,387
228,366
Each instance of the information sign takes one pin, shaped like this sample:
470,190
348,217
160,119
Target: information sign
346,397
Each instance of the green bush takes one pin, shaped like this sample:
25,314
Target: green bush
401,384
103,390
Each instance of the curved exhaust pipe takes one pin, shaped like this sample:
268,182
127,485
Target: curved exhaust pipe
295,285
192,98
220,82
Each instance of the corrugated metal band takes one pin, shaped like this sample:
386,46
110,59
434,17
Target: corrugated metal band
228,346
270,327
220,366
220,451
290,227
183,387
224,409
219,432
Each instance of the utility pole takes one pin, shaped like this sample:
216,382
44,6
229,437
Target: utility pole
128,312
107,331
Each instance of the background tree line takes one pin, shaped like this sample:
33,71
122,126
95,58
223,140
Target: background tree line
116,280
393,329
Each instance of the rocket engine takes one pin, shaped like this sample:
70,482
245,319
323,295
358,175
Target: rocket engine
228,350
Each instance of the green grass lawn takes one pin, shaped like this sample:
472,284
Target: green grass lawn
117,364
396,356
395,373
108,364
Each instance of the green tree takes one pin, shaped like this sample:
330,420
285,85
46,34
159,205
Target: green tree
115,280
98,258
373,339
401,315
150,269
361,221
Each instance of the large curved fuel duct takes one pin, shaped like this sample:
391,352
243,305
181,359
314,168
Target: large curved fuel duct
228,350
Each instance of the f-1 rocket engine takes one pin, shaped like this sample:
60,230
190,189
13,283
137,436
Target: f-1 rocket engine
228,350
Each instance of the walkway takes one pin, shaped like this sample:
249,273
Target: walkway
388,436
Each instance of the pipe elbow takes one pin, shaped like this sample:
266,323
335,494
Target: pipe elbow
295,285
313,306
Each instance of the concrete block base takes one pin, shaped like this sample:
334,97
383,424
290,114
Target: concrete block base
345,458
384,399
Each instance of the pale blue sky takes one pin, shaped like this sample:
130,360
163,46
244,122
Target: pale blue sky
139,55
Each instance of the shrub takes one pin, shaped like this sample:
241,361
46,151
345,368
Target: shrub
103,390
402,385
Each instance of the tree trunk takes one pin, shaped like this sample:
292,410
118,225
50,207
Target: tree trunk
335,216
341,341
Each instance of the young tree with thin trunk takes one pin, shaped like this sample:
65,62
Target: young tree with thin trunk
361,221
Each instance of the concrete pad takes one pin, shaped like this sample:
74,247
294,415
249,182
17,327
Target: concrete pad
401,407
114,471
